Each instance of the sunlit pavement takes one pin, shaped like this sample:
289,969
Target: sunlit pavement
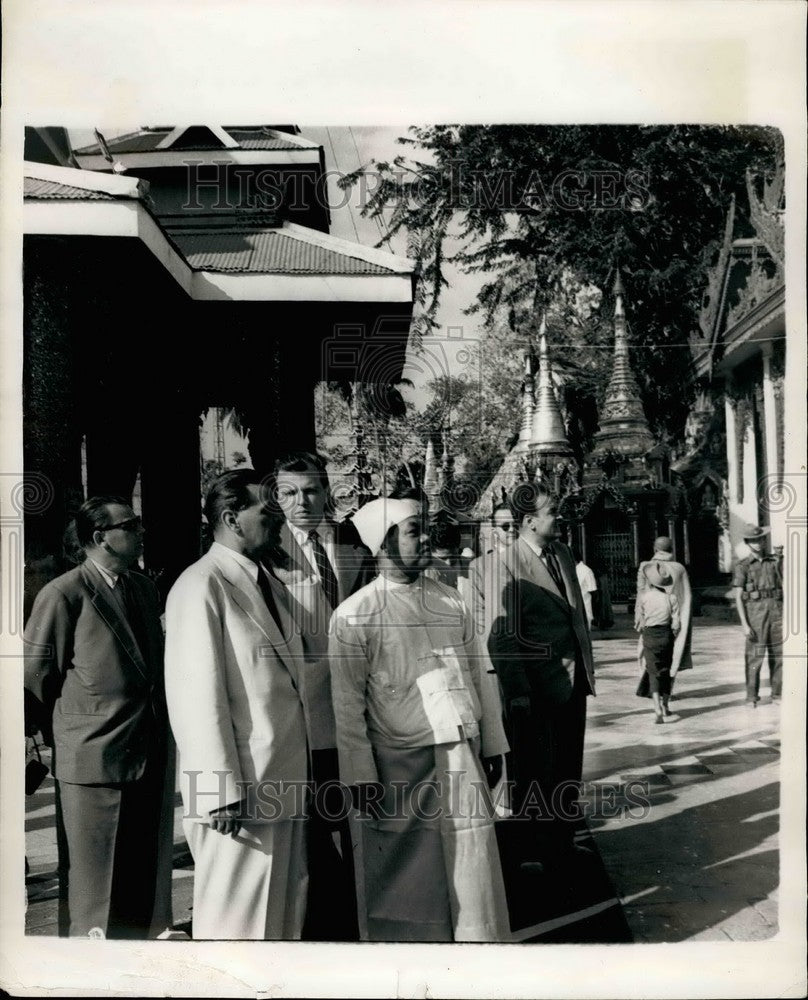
701,862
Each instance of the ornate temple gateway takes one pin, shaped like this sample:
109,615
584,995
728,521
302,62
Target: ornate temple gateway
623,497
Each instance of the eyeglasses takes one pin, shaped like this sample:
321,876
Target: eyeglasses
132,524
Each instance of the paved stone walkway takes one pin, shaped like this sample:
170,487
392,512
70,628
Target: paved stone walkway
698,862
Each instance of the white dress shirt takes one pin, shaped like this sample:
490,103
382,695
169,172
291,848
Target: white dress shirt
326,533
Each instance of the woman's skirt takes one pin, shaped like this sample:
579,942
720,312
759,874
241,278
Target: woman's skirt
657,642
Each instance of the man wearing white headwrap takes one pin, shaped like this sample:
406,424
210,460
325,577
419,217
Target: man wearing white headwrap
420,740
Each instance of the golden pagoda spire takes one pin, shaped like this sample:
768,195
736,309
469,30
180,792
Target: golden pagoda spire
528,403
547,434
623,426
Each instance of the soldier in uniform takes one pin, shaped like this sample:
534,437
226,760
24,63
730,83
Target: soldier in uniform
758,582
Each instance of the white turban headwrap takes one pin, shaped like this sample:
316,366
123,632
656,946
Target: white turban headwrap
376,518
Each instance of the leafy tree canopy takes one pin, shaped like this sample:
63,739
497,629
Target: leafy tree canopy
547,212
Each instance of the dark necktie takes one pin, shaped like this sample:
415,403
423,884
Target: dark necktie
551,561
269,598
133,614
324,568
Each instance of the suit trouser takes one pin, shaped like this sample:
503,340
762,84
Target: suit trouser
250,885
765,617
331,905
110,839
547,746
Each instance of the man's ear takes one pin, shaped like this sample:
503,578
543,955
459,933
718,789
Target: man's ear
230,520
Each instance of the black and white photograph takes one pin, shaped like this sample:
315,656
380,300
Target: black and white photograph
407,541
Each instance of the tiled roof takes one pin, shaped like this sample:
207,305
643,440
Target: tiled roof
147,140
271,251
49,190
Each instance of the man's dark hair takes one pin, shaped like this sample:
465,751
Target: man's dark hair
505,505
231,491
444,534
526,497
92,516
303,462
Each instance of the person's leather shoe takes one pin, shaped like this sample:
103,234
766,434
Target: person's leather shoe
532,867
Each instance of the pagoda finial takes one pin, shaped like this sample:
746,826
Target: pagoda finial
623,426
528,402
617,289
548,435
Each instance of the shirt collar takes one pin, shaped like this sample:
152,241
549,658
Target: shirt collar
109,576
301,535
534,546
244,561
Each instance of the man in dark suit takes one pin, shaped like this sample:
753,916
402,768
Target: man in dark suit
94,687
540,647
321,562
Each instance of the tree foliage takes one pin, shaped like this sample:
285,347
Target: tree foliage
547,212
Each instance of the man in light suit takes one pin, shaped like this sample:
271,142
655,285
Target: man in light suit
232,683
321,562
540,647
94,686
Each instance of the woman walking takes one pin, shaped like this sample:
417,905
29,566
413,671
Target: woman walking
657,619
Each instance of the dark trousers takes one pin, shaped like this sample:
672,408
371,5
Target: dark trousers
331,904
108,853
766,620
546,761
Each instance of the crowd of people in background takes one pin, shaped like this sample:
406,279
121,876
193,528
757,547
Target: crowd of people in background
347,702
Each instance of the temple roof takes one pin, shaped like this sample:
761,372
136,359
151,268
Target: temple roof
285,250
283,262
34,188
199,138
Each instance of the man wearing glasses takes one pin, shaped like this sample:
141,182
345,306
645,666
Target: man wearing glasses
94,687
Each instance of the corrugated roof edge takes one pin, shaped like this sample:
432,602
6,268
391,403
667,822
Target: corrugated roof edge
373,255
90,180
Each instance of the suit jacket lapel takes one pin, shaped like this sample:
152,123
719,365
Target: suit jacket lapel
247,595
534,569
107,607
297,558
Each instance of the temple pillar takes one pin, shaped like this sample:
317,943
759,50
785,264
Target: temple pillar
732,448
672,535
635,536
773,478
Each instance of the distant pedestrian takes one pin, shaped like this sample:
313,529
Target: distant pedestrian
758,583
588,585
680,588
445,566
656,618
